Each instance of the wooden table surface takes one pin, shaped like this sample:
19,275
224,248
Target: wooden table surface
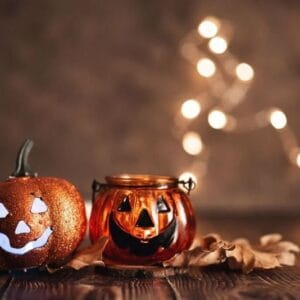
191,283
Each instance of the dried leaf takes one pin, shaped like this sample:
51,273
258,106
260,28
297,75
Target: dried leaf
241,258
271,252
240,254
91,255
284,251
211,250
270,239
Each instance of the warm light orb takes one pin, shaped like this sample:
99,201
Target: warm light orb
217,119
190,108
206,67
278,119
192,143
298,159
218,45
209,27
244,72
185,176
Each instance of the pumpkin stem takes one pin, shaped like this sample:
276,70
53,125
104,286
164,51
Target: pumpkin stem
22,166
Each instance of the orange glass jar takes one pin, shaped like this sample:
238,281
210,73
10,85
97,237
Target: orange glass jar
147,218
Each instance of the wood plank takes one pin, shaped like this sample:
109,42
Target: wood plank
5,280
281,283
197,283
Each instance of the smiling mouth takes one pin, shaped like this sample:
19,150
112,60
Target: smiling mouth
145,241
141,247
39,242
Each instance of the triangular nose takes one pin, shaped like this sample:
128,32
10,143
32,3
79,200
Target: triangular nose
144,220
22,227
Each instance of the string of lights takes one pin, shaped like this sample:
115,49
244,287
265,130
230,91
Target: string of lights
228,81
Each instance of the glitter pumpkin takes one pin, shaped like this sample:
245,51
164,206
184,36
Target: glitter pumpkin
148,219
42,219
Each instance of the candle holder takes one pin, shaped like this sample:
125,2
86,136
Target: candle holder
147,218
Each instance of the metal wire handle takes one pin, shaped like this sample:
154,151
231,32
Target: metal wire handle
188,185
96,187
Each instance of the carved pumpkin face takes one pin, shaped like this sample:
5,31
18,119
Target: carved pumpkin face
142,222
145,224
144,215
25,227
42,221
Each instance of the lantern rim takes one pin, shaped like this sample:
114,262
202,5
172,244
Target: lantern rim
144,180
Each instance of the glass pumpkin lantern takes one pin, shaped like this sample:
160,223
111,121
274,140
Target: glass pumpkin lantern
148,219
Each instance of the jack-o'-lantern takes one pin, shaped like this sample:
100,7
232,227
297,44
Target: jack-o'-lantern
42,219
148,219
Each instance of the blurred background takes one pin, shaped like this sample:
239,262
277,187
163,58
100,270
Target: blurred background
100,87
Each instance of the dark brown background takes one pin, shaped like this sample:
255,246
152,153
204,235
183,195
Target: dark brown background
96,84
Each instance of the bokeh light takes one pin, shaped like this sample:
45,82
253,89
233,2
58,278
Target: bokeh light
209,27
278,119
218,45
244,72
190,108
206,67
217,119
298,159
192,143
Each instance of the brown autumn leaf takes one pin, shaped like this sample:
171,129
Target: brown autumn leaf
92,255
240,254
210,250
272,252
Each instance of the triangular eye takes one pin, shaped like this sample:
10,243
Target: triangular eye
22,227
38,206
162,205
124,205
3,211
